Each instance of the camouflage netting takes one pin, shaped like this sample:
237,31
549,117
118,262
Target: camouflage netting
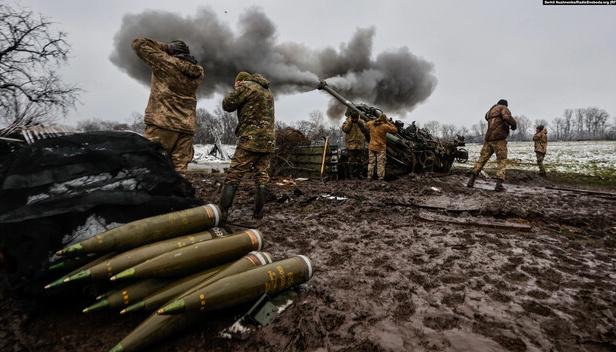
50,188
287,139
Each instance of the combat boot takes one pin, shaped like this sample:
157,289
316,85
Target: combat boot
499,186
260,194
471,180
226,200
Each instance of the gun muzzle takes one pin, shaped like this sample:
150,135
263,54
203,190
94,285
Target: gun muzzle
322,85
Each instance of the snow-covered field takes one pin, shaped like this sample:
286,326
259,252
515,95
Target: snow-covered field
594,158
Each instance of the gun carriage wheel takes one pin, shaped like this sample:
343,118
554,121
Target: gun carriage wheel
427,160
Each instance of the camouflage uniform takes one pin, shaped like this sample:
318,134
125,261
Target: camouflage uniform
377,148
355,134
255,130
499,119
170,115
541,145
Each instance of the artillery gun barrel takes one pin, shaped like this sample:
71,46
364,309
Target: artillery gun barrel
324,86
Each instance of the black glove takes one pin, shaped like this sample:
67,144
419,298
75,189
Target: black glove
178,47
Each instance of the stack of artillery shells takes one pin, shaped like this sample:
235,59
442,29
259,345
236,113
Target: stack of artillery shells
180,267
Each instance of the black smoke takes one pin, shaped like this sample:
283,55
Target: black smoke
396,81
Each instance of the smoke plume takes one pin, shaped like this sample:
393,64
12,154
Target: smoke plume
395,81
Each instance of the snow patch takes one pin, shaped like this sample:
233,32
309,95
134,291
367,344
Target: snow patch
202,153
92,226
593,158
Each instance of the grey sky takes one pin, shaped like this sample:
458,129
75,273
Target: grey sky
542,59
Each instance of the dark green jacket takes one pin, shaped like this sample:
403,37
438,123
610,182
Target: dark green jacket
254,103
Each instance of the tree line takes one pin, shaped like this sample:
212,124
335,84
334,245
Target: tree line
589,123
220,125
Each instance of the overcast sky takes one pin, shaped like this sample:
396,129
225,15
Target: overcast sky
543,59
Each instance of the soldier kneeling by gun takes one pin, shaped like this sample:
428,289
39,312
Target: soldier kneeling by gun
355,135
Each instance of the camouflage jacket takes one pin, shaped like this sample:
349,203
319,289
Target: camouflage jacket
173,102
355,134
541,141
254,103
378,134
499,120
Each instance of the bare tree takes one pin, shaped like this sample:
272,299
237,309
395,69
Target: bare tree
558,124
220,124
136,123
433,127
522,131
596,121
579,123
448,131
463,131
314,128
568,124
95,124
30,52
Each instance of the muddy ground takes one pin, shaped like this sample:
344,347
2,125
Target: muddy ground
393,274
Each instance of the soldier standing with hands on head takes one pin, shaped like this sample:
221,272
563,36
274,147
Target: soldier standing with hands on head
495,142
377,148
254,103
541,145
170,116
355,135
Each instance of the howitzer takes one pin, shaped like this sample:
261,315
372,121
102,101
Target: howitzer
412,149
365,112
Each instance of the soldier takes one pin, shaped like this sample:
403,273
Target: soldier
170,116
495,142
255,130
355,135
541,146
377,148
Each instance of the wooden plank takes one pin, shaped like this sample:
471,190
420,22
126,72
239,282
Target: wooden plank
473,221
598,193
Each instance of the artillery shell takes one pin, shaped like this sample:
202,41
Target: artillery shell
244,287
159,327
66,278
196,257
148,230
155,328
252,260
126,296
138,255
156,299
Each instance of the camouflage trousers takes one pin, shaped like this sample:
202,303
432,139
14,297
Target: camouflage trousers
495,147
540,157
378,159
244,162
178,145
